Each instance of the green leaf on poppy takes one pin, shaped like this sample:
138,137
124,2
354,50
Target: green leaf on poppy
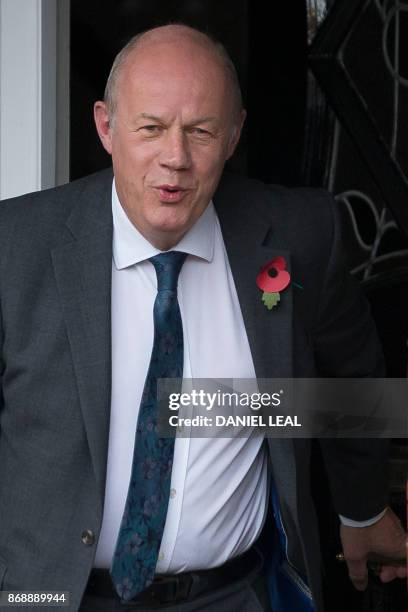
270,299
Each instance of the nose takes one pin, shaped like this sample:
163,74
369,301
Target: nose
175,153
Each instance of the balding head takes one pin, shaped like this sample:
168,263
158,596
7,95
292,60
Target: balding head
181,37
176,122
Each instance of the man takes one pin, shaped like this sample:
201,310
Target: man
77,336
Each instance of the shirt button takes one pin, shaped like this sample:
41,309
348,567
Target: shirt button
161,556
88,537
173,493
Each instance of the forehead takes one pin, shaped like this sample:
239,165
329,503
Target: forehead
171,72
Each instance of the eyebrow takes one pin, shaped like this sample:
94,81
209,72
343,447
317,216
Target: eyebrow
194,122
147,116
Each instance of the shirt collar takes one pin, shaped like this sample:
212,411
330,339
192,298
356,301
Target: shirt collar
131,247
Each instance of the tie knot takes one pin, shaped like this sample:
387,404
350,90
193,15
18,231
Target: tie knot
168,266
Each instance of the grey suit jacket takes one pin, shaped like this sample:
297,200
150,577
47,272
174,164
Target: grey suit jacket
55,366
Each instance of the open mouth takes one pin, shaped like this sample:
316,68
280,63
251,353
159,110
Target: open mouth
171,193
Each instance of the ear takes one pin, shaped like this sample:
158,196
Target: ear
103,125
236,134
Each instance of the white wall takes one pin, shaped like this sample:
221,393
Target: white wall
33,52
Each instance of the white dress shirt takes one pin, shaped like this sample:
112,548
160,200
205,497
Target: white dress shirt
218,495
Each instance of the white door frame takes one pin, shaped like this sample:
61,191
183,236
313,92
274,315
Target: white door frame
34,95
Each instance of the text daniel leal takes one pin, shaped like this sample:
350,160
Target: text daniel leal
249,420
258,420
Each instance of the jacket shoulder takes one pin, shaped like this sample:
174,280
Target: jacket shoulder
38,220
289,209
50,200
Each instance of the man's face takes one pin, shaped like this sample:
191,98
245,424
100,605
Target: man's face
171,134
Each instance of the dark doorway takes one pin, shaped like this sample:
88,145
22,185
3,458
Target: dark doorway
268,46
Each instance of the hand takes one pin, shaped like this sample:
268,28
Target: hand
386,538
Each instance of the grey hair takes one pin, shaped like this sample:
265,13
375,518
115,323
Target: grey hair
110,94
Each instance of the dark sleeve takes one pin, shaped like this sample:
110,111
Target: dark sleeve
346,345
1,368
2,278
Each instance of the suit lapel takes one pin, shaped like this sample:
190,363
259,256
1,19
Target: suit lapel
251,242
83,269
252,239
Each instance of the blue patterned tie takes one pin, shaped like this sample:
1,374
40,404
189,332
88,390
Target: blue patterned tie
141,530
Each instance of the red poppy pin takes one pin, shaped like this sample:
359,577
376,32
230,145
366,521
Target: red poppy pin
272,279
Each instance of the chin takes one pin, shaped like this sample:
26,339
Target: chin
173,223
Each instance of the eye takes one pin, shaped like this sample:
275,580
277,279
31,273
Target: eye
151,129
200,133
